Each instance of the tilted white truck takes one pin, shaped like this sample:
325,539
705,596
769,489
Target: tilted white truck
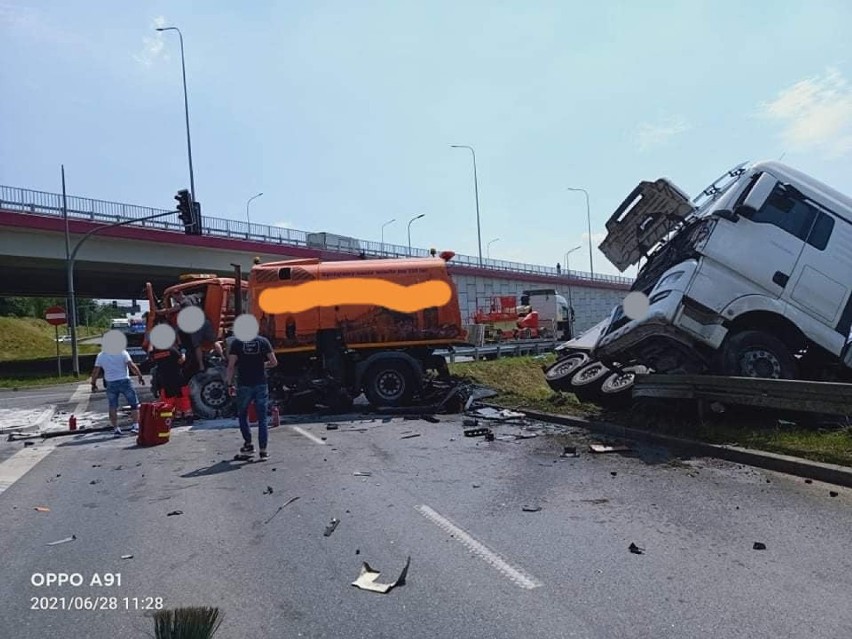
752,278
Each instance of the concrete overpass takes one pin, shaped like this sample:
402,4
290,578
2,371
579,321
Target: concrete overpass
117,262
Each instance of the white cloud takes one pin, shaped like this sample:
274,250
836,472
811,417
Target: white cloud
284,225
815,114
153,46
652,135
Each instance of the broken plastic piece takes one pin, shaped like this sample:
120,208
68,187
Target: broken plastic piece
331,426
331,526
489,436
636,550
175,512
833,493
410,436
280,508
367,579
759,545
362,473
42,509
127,556
268,490
63,541
531,509
468,421
476,432
603,448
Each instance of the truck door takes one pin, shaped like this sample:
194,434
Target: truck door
820,283
763,245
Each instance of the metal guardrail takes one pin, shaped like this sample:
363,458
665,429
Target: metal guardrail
44,203
504,349
785,394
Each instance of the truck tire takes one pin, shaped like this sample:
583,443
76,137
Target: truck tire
616,389
558,375
586,382
209,395
389,382
758,354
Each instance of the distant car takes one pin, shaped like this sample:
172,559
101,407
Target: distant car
64,338
138,355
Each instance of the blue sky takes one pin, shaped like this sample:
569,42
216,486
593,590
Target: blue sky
343,113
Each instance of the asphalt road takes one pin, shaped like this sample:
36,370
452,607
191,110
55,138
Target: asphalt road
480,565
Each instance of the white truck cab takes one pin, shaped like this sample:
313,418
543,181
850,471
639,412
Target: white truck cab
752,278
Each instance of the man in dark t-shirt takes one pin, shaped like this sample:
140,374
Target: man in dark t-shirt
250,360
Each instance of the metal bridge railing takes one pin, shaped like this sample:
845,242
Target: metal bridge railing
44,203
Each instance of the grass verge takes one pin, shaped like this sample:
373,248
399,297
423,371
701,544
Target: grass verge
34,382
30,338
520,383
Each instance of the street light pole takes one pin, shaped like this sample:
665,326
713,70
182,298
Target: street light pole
589,220
416,217
570,300
69,269
186,110
248,219
383,234
476,191
488,248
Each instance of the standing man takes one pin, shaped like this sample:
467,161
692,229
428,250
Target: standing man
251,359
115,367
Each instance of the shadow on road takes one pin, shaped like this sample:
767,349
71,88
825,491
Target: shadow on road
215,469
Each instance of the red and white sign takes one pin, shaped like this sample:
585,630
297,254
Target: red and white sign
55,316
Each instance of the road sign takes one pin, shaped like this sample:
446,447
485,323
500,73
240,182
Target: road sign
55,316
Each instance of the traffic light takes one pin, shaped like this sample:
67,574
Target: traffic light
185,211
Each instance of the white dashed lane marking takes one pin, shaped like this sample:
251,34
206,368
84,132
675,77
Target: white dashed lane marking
480,550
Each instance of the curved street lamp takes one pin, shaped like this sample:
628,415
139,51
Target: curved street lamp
383,233
416,217
476,191
589,220
488,249
248,219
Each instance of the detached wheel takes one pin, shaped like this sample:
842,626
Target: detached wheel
558,375
758,354
209,394
586,382
616,389
389,383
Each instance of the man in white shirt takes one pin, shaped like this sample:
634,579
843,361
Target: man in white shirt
115,367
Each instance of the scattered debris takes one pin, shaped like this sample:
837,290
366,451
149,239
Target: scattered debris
331,526
477,485
469,421
127,556
367,579
489,436
636,550
95,481
362,473
96,465
42,509
570,451
431,419
613,473
175,512
477,432
331,426
268,490
531,509
62,541
499,415
599,500
759,545
28,443
809,481
357,551
410,436
833,493
605,448
280,508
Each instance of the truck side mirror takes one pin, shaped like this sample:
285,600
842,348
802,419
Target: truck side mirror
757,195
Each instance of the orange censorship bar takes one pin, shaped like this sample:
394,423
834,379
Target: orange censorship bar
355,291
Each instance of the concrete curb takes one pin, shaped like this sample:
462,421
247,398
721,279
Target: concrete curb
42,419
829,473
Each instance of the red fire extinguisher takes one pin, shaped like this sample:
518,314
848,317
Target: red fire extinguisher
276,418
72,423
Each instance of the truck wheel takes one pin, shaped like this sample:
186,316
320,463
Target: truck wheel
616,390
389,383
559,374
586,382
758,354
209,394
